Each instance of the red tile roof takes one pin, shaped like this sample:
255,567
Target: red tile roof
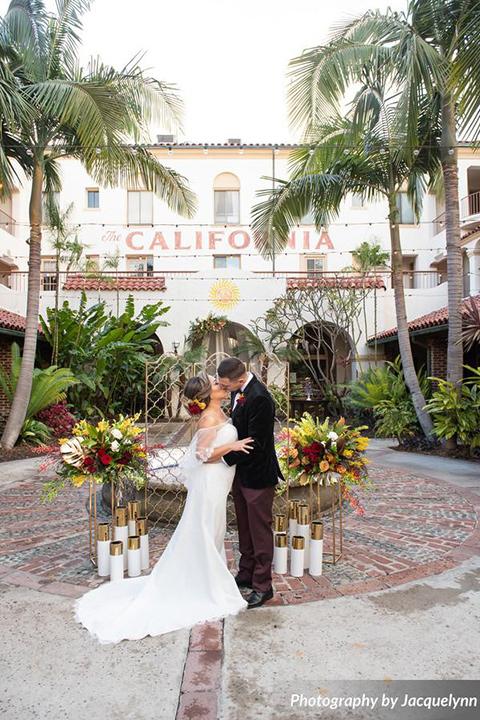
350,283
12,321
431,319
78,282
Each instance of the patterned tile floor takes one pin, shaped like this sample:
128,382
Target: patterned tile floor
413,526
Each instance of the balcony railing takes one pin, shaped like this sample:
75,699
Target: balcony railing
123,281
470,205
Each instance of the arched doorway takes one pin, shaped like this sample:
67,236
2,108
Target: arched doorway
322,367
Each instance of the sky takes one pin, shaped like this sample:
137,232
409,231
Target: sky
228,58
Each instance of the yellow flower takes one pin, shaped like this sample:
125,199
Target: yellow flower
365,461
348,453
62,441
103,425
78,480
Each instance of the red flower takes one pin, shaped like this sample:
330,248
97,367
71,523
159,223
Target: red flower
193,409
101,452
125,459
316,447
105,459
89,463
241,399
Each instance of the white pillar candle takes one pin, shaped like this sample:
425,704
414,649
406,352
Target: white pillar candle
296,556
316,549
103,549
142,530
120,531
280,554
303,529
133,513
116,561
134,556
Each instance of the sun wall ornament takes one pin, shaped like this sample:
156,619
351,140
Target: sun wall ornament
224,294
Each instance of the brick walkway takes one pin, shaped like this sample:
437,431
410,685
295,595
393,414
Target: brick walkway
413,527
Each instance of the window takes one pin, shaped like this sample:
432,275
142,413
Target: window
93,263
227,206
358,200
313,264
140,265
221,262
49,278
93,198
140,207
409,277
405,210
56,201
226,198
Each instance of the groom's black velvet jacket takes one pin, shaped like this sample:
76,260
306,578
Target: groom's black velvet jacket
255,417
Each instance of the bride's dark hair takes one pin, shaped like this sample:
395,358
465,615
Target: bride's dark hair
198,388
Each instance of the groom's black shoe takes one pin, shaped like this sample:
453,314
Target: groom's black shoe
243,584
255,599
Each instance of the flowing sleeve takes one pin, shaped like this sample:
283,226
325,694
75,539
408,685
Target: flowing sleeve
199,450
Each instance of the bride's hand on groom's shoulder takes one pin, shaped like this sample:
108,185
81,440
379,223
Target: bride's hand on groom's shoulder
244,445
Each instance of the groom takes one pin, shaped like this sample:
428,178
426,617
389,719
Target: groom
253,414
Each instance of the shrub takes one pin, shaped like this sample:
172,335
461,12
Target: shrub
457,415
58,418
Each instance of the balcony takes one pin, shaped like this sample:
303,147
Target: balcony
470,211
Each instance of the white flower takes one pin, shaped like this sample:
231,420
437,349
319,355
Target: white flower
333,435
117,434
115,446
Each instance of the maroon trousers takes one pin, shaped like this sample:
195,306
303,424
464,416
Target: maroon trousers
255,534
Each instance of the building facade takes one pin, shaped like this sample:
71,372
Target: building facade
210,265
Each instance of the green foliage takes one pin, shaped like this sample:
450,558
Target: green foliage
107,354
384,391
49,386
457,415
370,255
34,431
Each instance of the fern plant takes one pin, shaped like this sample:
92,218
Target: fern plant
48,387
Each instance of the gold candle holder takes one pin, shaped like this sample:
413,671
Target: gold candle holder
317,530
134,542
142,526
292,509
92,527
303,514
121,516
298,542
281,540
116,547
133,509
280,523
103,531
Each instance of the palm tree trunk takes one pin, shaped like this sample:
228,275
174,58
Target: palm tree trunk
454,248
57,294
21,399
410,374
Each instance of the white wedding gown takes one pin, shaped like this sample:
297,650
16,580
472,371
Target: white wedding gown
191,582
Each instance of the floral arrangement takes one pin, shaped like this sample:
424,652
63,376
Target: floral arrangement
109,451
199,328
196,406
311,450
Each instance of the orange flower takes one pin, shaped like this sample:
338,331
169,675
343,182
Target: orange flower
294,464
329,457
293,452
341,470
324,466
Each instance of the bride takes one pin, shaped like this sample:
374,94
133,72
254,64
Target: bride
190,582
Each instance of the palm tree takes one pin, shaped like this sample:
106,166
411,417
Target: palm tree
97,115
365,153
431,52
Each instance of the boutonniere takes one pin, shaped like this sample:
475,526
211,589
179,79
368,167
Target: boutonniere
241,399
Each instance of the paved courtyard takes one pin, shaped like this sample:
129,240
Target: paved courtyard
402,603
